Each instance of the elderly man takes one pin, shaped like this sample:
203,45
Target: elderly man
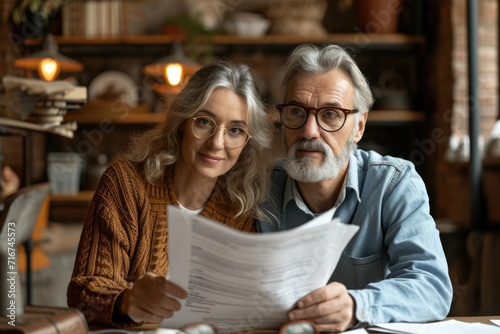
394,269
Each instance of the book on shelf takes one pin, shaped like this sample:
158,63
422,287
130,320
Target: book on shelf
102,18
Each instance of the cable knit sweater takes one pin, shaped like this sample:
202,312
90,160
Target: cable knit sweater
125,235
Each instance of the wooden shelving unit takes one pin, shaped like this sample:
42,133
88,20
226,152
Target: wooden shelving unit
355,39
351,39
139,118
84,195
395,116
374,116
72,207
360,39
95,112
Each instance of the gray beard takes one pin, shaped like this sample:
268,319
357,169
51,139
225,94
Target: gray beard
304,170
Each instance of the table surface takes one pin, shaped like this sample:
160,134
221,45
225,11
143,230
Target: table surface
481,319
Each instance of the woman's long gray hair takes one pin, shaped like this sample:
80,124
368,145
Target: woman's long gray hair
309,58
247,182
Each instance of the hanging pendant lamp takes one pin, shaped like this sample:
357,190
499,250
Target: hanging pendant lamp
48,62
174,70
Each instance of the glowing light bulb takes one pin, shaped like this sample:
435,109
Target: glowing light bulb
48,69
173,74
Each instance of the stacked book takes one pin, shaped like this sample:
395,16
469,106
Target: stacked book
102,18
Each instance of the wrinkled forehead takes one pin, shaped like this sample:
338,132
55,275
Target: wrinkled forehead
333,85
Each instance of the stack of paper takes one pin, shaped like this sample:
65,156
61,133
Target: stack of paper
247,281
440,327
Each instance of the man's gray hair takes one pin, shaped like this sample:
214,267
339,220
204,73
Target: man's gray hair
312,59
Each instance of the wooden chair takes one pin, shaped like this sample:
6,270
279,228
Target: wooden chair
17,220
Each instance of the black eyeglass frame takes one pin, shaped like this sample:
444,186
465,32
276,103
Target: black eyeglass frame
318,110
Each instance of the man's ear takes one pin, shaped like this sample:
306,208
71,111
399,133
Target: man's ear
361,127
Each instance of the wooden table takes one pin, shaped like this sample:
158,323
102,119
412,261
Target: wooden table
480,319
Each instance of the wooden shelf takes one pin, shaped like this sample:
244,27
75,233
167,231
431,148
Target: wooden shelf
123,40
130,118
395,116
70,208
364,40
345,38
97,111
81,196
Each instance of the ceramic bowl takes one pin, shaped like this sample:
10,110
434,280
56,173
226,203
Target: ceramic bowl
247,24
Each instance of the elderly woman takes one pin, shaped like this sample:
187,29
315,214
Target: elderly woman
209,157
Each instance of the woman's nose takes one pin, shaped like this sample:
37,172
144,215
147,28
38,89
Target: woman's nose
216,141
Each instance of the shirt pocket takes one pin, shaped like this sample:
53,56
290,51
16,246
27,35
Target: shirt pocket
367,269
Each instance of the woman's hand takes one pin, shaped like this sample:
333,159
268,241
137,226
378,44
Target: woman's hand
152,298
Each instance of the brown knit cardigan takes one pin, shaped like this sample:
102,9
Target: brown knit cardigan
125,235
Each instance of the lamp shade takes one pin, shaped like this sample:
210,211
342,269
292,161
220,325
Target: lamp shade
174,68
49,60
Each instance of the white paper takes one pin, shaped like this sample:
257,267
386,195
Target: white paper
248,281
440,327
495,321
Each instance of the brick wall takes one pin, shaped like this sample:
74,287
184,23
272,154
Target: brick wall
450,189
487,55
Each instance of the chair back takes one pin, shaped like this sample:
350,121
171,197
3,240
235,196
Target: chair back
17,220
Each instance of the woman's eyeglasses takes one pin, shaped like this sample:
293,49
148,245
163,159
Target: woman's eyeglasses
292,327
204,127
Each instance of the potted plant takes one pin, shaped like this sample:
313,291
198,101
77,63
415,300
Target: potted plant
190,30
33,18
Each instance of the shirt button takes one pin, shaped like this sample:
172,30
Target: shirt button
361,315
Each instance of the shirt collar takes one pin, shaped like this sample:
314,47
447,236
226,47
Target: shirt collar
351,182
353,175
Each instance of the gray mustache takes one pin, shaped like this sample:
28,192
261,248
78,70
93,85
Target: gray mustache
311,145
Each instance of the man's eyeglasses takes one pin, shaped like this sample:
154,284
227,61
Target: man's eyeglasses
292,327
204,127
330,119
200,328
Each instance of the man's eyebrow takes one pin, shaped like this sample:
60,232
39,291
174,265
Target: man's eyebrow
333,105
328,104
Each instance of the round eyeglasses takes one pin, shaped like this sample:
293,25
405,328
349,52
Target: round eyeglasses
330,119
292,327
200,328
299,327
204,127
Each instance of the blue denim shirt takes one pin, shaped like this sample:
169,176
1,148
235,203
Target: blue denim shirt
394,267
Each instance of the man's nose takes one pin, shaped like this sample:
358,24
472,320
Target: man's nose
310,129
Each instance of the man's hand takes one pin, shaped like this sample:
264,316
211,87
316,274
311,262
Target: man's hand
331,308
151,299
